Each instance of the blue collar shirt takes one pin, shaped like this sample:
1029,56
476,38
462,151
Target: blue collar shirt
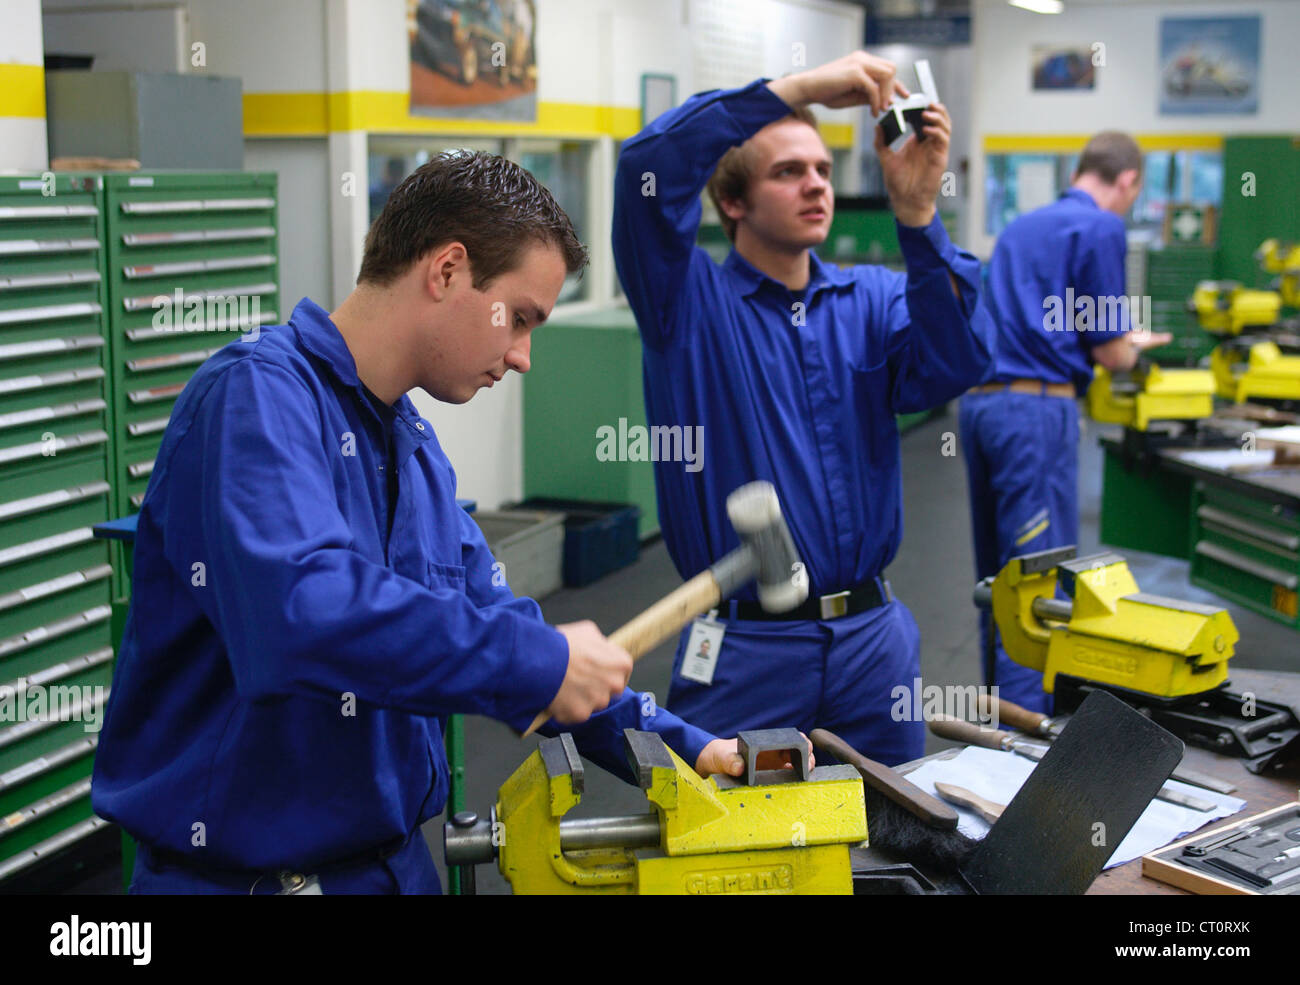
800,390
1054,287
301,624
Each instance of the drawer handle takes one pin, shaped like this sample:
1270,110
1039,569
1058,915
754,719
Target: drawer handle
197,236
136,271
42,589
1256,530
48,763
73,409
56,497
197,205
1232,559
49,312
46,848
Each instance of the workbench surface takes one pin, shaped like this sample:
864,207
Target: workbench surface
1260,792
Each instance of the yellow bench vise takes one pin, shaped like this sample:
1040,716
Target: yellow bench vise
1107,631
1224,307
770,832
1150,393
1259,370
1165,656
1277,257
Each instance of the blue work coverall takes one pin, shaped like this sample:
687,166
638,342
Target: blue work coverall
1022,449
800,389
309,604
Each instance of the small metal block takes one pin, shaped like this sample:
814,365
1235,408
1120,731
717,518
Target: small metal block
751,743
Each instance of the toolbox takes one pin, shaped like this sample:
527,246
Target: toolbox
114,288
1247,550
192,263
598,537
1255,856
55,455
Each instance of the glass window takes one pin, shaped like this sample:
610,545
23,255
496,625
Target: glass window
1016,183
390,159
563,167
1168,176
1206,171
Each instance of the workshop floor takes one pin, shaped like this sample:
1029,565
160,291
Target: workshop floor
933,574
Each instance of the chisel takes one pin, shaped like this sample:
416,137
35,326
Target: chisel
954,728
1036,723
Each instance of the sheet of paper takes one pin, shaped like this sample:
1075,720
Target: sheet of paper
998,775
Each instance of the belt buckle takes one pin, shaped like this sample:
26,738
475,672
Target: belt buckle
835,605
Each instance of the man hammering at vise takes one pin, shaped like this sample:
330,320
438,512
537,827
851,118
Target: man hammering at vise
1054,276
795,370
310,602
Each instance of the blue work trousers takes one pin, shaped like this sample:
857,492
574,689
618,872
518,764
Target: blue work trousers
1022,471
837,674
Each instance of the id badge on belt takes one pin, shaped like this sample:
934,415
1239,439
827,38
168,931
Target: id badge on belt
702,649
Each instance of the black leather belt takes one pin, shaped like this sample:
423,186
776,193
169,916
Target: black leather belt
868,595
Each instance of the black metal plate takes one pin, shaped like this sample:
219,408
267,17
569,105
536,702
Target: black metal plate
1078,804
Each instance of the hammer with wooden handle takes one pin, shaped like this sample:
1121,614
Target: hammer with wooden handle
766,552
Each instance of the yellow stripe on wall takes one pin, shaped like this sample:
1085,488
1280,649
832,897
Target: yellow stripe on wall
1072,143
837,135
22,91
317,114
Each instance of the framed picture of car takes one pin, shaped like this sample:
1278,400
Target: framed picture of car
1063,67
1209,65
473,59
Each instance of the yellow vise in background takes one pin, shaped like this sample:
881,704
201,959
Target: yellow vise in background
1148,393
778,831
1107,631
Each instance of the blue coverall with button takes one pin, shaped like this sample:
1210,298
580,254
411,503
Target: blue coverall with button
309,605
800,390
1021,449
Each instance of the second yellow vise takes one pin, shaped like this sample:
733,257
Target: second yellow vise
1107,630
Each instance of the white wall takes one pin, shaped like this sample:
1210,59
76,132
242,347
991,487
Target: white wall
1126,96
23,142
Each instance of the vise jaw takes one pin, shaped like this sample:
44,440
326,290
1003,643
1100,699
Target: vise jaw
1106,630
777,833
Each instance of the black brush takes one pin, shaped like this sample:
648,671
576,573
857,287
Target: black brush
902,819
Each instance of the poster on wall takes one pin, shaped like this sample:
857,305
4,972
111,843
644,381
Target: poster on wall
1063,67
1209,65
473,59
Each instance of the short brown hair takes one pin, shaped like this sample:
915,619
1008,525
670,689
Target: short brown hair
1108,154
489,204
732,175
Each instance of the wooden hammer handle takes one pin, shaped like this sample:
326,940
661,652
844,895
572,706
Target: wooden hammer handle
667,616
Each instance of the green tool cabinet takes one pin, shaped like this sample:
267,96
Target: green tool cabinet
211,237
55,451
94,350
1246,547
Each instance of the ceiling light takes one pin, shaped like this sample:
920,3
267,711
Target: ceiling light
1040,6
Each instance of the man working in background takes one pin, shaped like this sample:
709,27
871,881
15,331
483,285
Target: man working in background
795,369
1020,434
309,601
